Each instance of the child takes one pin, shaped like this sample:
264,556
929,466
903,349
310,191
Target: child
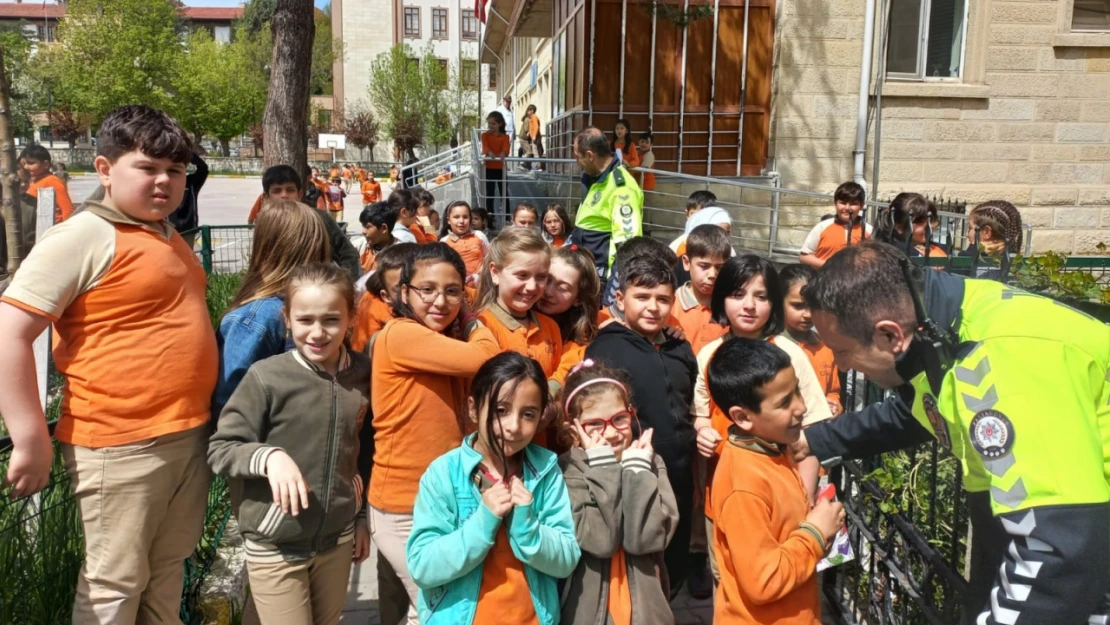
479,219
697,201
404,203
647,161
624,510
371,190
571,298
434,222
910,222
345,174
799,328
707,249
492,528
845,228
635,247
769,539
419,376
425,206
123,291
996,227
35,160
663,370
622,141
525,215
709,215
496,145
335,195
288,234
394,174
301,410
530,134
375,307
457,233
556,225
378,220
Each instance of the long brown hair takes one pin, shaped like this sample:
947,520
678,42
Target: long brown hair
287,234
579,322
501,249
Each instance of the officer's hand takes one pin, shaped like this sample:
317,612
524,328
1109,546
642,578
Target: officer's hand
828,517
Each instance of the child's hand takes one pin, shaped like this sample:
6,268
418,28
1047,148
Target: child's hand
834,408
521,496
644,442
587,440
29,469
362,541
828,517
498,499
708,439
674,333
288,486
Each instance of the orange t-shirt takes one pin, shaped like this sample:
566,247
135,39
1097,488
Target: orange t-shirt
695,320
372,315
504,596
63,206
824,365
421,235
371,191
493,143
573,353
830,236
419,379
470,248
360,175
631,154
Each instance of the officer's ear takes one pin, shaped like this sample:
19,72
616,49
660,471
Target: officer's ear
889,336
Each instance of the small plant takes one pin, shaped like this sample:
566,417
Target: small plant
1048,275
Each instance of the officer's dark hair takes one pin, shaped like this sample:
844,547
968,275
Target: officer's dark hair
850,193
403,200
280,174
646,272
378,214
739,370
708,241
593,140
640,246
35,152
860,286
735,275
700,199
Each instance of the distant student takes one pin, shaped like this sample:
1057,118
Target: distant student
434,221
35,160
910,222
371,190
479,220
404,203
457,233
394,175
383,287
572,299
530,134
122,291
799,328
647,161
707,249
624,509
346,175
335,195
769,537
492,530
710,215
556,225
422,229
378,220
663,370
622,141
300,492
526,215
845,228
496,146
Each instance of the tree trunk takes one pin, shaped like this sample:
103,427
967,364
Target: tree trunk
285,128
225,146
9,183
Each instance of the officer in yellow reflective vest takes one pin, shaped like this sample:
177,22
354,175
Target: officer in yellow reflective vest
1016,386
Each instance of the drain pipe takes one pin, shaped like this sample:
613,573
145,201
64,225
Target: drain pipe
864,88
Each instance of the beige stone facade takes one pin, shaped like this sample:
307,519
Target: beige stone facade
1027,121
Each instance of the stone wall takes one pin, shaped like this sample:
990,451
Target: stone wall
1028,124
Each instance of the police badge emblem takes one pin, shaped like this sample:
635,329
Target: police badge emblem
992,434
597,197
626,211
940,426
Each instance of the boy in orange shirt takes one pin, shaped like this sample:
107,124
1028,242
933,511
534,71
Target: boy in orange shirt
799,328
845,228
35,159
371,190
767,539
707,249
647,161
124,292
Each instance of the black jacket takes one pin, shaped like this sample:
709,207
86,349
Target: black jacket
187,217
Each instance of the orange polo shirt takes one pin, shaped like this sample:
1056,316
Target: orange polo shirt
695,320
470,247
539,339
631,154
372,315
830,236
824,365
573,353
493,143
63,206
421,235
134,339
766,558
371,191
418,380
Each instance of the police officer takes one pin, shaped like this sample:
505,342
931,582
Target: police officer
612,211
1016,386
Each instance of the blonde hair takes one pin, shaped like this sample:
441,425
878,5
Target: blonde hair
501,250
321,274
287,234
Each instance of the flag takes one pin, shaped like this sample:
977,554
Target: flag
480,10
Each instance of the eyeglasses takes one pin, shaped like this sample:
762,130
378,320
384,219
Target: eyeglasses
621,422
429,295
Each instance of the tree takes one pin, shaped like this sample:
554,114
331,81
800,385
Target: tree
254,27
325,51
23,90
284,122
9,182
362,127
67,125
462,95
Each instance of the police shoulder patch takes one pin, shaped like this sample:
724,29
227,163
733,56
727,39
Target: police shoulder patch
596,198
992,434
626,210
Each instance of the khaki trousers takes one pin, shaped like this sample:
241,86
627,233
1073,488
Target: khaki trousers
390,532
308,592
142,509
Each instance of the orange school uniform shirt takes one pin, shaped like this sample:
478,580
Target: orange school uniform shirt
418,389
766,556
493,143
830,236
371,191
573,353
824,365
503,596
134,340
540,339
631,154
470,247
63,206
695,320
372,315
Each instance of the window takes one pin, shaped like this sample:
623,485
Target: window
469,73
222,34
492,77
927,39
443,66
469,25
413,64
1091,15
439,23
45,136
412,22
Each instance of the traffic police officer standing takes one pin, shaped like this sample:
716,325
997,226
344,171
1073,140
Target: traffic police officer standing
1016,386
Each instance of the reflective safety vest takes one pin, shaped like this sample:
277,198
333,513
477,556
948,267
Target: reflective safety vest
610,214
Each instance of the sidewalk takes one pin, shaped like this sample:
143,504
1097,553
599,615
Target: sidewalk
362,601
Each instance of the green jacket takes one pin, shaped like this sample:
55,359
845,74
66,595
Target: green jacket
610,214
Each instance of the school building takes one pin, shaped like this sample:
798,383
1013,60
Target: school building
964,99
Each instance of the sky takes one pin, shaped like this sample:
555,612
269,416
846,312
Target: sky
232,3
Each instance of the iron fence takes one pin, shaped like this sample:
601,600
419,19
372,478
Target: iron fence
222,249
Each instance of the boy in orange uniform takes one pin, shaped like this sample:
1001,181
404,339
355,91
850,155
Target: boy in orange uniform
845,228
35,159
799,328
371,190
126,296
767,539
647,161
707,249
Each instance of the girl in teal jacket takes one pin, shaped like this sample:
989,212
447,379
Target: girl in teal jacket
492,527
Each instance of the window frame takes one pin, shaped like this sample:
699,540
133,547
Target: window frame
468,15
470,73
922,73
408,34
446,15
